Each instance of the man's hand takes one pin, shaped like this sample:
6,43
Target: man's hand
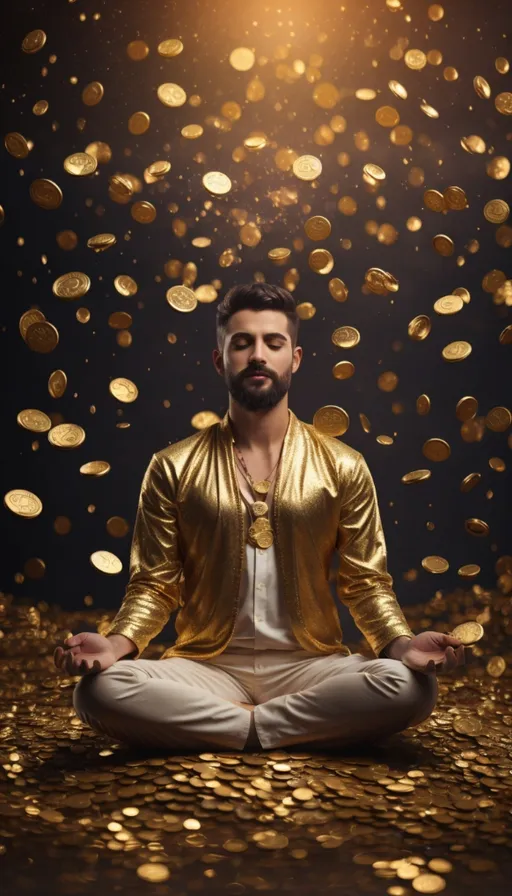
84,654
433,652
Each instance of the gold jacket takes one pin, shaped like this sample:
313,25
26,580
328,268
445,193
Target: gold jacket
189,542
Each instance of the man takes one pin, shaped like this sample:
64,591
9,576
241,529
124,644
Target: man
236,527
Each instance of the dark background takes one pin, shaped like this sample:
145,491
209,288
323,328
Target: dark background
470,37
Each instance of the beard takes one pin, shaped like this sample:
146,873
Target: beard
255,396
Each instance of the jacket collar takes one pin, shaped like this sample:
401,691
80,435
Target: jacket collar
289,438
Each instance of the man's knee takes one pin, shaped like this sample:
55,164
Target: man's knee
95,692
420,693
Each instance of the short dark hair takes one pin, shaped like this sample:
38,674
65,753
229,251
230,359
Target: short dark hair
258,296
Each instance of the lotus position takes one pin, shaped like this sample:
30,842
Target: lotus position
236,527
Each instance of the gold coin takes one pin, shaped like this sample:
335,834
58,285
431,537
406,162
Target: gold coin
33,41
171,95
317,227
106,562
428,883
476,527
57,383
67,240
498,168
415,59
436,449
503,102
217,182
470,481
496,666
120,320
331,420
467,725
498,419
138,123
429,110
71,286
144,212
473,143
505,337
435,564
2,215
123,389
204,419
502,65
101,151
101,241
468,632
416,476
80,164
34,420
374,171
463,293
321,261
423,405
42,337
45,193
365,94
116,526
66,435
242,59
29,317
397,89
469,570
307,167
456,351
346,337
264,539
419,327
170,47
92,94
192,131
482,87
125,285
23,503
181,298
95,468
16,145
496,211
137,50
387,116
455,198
443,244
158,169
448,305
280,253
434,200
338,289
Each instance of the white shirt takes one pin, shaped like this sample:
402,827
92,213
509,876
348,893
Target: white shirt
263,621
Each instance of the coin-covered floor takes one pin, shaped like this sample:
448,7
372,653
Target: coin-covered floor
426,811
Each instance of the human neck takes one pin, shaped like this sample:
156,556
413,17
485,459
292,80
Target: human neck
259,431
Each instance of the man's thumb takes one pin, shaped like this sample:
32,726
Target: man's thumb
73,641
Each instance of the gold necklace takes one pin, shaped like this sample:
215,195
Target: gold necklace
260,532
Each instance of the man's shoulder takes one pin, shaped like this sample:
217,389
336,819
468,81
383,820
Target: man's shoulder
341,452
182,449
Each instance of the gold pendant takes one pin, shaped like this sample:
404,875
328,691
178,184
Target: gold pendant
265,538
259,508
262,486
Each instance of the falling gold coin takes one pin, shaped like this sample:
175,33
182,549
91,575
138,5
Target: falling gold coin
317,227
170,47
436,449
346,337
419,327
125,285
242,59
33,41
16,145
45,193
143,211
66,435
374,171
428,883
123,389
138,123
469,571
80,164
482,87
496,666
331,420
95,468
171,95
101,241
448,305
71,286
415,59
106,562
57,383
42,337
443,244
434,200
455,198
158,169
29,317
503,103
181,298
496,211
416,476
23,503
92,94
34,420
457,351
476,527
397,89
435,564
307,167
217,182
498,419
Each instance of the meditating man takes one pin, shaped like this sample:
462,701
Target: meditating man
236,527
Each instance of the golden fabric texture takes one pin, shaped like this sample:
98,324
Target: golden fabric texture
189,543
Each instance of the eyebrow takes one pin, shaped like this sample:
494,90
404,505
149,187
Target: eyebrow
267,335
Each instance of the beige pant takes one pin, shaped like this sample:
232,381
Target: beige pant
302,698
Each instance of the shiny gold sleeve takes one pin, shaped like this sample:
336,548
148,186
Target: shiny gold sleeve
363,584
153,590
